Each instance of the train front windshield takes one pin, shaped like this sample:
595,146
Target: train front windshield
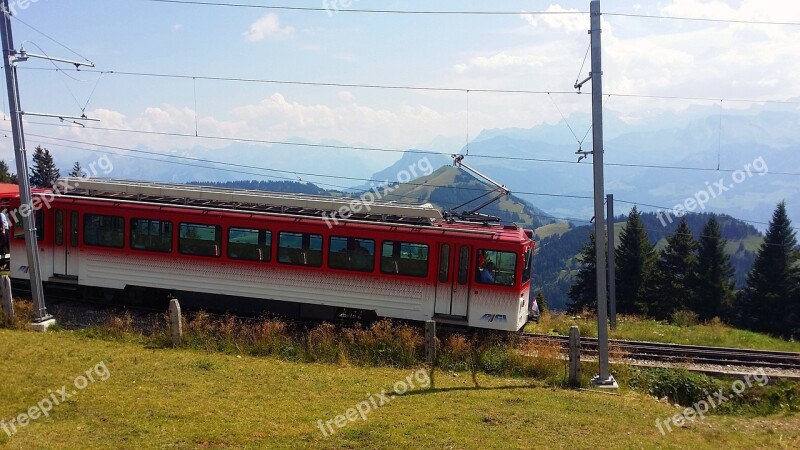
496,267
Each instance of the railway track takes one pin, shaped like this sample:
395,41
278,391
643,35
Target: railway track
656,351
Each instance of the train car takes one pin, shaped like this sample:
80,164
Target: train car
316,254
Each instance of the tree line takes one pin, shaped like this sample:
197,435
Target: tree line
693,273
44,172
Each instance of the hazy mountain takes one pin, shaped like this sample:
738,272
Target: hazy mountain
539,164
449,187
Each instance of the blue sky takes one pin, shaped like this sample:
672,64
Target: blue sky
515,51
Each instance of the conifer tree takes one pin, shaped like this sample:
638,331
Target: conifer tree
583,293
77,170
635,261
767,301
712,283
541,301
672,281
5,175
44,172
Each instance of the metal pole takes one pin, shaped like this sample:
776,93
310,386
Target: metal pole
41,318
604,378
612,292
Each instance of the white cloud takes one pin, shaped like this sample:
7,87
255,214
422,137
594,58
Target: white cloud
268,26
571,23
501,61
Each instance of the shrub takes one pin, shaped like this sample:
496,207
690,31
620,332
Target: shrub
678,385
455,353
268,337
685,318
323,344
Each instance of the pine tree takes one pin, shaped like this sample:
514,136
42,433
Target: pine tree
5,175
771,284
77,170
635,261
583,293
672,281
44,172
712,283
541,301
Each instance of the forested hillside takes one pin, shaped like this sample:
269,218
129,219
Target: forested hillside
271,186
556,264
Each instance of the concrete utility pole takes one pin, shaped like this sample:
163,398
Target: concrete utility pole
42,320
604,379
612,292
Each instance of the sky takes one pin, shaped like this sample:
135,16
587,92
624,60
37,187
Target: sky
520,50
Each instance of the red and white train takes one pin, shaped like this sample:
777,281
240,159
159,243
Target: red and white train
294,252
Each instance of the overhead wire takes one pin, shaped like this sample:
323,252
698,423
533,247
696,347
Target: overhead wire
313,83
64,46
333,9
702,19
390,196
413,88
388,150
296,173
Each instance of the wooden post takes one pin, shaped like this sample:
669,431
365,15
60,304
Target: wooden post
175,322
7,299
574,357
430,347
430,341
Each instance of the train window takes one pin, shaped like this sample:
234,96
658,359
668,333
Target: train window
199,240
463,265
19,229
301,249
59,227
527,259
250,244
496,267
350,253
404,258
74,227
151,235
444,263
103,231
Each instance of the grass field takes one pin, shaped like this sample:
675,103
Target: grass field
634,328
165,398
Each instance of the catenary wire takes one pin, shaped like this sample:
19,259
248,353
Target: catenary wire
387,150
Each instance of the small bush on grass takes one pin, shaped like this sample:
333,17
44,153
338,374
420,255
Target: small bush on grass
384,344
323,345
23,314
678,385
269,337
685,318
455,353
687,389
543,361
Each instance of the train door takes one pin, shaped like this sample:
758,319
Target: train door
65,258
452,288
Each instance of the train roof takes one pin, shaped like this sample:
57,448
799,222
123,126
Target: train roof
280,204
11,190
276,202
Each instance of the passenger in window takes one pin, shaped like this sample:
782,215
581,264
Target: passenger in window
487,274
